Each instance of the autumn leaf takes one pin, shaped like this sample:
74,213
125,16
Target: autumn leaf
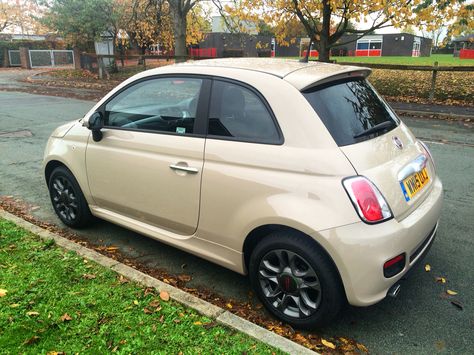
32,314
122,279
65,318
3,292
89,276
184,278
198,323
441,280
451,293
165,296
135,302
15,305
427,268
32,340
154,303
457,304
147,311
229,305
328,344
362,348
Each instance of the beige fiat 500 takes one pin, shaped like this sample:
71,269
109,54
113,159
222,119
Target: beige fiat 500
297,174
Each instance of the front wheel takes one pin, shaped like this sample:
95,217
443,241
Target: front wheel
67,198
295,280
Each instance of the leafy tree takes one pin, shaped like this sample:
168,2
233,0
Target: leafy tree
326,21
20,16
153,23
79,21
463,23
179,10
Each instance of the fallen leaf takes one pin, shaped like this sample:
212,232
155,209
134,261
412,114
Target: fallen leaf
112,248
328,344
209,325
427,268
135,302
344,340
440,345
184,278
451,293
229,305
457,304
32,340
147,311
65,318
32,314
165,296
441,280
89,276
154,303
15,305
3,292
362,348
198,323
123,280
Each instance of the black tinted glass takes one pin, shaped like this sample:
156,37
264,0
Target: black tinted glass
348,109
238,113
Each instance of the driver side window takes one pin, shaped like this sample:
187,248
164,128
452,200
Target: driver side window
162,105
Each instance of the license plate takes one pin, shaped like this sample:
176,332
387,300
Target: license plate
414,183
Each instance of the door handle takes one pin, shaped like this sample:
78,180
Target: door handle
184,168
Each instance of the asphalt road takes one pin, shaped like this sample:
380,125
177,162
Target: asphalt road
419,320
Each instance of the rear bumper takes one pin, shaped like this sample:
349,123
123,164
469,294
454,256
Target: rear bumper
360,250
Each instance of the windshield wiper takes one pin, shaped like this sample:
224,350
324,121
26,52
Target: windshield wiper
377,128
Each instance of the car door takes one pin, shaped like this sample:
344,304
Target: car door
148,164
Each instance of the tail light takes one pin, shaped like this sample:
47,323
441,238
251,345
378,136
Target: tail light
427,151
367,199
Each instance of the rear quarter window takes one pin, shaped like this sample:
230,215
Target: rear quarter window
349,108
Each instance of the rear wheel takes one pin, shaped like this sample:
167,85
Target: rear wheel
295,280
67,198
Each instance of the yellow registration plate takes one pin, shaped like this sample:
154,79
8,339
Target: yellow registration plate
414,183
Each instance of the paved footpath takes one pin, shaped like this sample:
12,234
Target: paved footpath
420,320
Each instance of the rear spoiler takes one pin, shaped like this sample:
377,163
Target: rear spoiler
350,74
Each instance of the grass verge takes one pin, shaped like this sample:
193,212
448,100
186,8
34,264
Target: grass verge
442,59
52,300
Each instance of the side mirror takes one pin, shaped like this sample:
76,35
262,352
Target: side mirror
96,123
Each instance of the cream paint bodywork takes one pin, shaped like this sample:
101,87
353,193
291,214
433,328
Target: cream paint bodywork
247,185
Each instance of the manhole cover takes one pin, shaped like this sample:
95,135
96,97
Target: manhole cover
16,134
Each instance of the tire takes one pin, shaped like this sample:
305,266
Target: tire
67,199
312,285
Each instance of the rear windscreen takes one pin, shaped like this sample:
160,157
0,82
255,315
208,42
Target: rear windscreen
350,109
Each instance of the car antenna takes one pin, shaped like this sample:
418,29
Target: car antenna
306,57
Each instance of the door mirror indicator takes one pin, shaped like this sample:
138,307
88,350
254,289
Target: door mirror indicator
96,123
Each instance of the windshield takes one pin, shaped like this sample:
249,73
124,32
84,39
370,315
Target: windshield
350,110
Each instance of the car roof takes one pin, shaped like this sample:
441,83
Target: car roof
299,74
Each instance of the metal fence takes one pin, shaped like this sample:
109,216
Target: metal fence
51,58
14,58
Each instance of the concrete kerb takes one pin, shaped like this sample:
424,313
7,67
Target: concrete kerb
205,308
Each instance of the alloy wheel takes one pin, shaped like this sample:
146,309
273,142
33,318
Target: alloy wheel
64,198
289,283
